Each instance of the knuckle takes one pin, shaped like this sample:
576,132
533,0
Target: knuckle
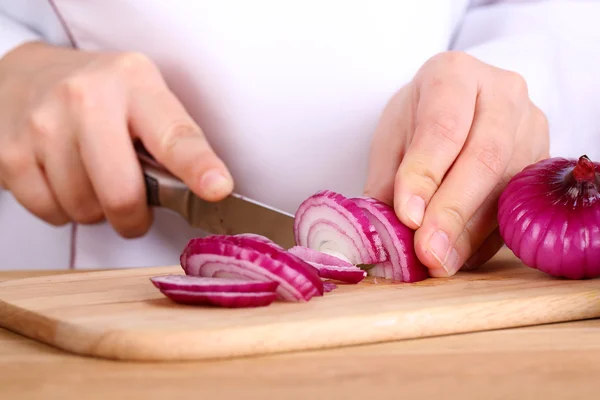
175,133
52,216
77,90
132,62
41,124
87,218
500,124
538,138
453,214
515,85
45,208
540,120
135,231
491,159
426,180
14,160
123,203
84,212
446,127
452,59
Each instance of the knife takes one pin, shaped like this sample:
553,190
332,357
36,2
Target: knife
233,215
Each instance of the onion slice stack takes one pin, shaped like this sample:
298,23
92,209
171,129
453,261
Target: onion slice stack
248,258
359,230
330,223
336,238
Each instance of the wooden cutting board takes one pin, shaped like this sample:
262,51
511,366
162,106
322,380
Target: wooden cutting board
119,314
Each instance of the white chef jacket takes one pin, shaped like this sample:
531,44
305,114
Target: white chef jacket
289,92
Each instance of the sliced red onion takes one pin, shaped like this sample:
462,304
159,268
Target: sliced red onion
328,266
329,286
202,284
222,299
244,257
329,223
348,274
549,216
398,240
259,238
311,255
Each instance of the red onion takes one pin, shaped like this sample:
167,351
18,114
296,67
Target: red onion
398,241
312,255
351,274
549,215
330,223
334,236
328,266
202,284
244,257
329,286
222,299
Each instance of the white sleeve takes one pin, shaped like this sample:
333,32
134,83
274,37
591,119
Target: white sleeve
23,21
555,46
14,34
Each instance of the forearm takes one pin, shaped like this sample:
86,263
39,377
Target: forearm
554,46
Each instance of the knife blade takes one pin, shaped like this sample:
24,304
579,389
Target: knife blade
233,215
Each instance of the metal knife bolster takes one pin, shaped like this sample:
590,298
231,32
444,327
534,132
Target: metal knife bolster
233,215
164,190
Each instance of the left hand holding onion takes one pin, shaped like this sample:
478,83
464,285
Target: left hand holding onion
445,148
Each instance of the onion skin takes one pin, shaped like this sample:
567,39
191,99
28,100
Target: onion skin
549,217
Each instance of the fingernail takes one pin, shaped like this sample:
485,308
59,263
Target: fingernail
415,209
451,266
439,245
215,184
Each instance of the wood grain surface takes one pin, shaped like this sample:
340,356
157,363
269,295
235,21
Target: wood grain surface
120,315
550,362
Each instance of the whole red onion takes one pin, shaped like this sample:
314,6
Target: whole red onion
549,216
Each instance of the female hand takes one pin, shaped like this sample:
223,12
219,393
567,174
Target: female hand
68,120
446,146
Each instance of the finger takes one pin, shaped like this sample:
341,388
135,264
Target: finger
532,139
112,165
69,181
30,188
481,239
178,143
488,249
67,177
474,175
390,140
443,119
477,231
